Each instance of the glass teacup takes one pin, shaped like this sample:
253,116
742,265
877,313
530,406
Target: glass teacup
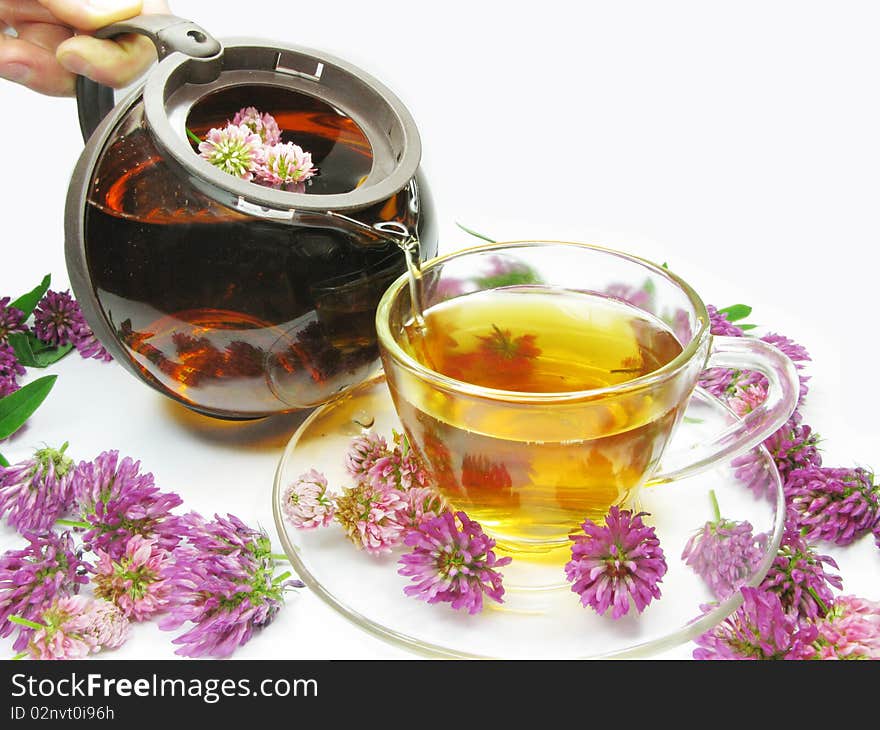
547,379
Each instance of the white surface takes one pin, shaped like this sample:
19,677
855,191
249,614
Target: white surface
737,142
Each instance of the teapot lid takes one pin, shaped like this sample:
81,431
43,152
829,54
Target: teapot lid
193,66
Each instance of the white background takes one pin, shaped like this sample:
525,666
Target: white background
736,141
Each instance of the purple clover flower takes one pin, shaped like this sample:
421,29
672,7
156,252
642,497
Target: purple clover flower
118,502
30,578
724,553
222,580
35,492
58,319
759,629
798,577
11,319
833,504
796,353
614,563
10,370
720,382
794,446
452,564
719,325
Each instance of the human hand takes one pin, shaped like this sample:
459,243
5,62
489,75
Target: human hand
51,46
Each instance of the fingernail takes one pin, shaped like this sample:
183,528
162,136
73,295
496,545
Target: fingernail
76,64
17,72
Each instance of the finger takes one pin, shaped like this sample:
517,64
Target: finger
15,12
92,14
34,67
113,63
44,35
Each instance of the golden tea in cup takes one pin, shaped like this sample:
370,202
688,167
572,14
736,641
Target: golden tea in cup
546,379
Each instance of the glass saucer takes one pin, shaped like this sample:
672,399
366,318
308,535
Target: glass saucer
541,618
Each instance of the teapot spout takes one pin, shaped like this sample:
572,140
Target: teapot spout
377,234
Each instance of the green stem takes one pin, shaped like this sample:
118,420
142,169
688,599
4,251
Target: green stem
279,556
822,606
284,576
25,622
73,523
474,233
193,136
715,508
20,655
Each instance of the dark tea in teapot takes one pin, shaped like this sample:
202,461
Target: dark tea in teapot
237,300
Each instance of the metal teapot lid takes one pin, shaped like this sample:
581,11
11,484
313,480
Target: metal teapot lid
194,65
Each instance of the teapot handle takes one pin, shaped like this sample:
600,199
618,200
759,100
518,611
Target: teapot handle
168,33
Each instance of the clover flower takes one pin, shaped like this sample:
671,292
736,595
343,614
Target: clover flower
850,630
745,399
398,469
616,563
833,504
363,452
73,627
759,629
11,319
371,518
10,370
57,318
795,352
798,577
260,123
451,563
134,582
793,446
47,568
724,553
222,582
286,165
421,503
305,502
35,492
720,382
88,346
719,325
235,149
117,501
58,321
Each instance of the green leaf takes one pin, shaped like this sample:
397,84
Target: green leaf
474,233
736,312
3,461
33,352
27,302
17,407
746,327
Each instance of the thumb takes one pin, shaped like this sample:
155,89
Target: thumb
114,63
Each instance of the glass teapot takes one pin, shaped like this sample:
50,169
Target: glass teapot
235,299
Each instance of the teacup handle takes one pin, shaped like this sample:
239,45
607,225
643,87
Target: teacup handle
742,353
